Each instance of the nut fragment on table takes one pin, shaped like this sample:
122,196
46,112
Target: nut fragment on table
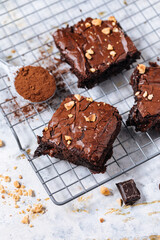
101,220
17,184
30,192
25,220
120,202
38,208
7,179
1,143
104,191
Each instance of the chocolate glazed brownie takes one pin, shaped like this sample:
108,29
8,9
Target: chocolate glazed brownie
81,131
95,49
145,114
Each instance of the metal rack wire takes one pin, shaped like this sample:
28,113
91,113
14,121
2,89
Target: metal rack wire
26,29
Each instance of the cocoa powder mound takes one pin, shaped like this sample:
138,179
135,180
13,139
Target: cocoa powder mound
35,83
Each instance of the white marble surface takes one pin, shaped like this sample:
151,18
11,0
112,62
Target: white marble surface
77,219
64,222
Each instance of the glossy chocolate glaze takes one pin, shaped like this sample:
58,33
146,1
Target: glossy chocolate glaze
73,43
146,113
91,141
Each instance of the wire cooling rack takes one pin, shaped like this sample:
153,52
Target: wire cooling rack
25,37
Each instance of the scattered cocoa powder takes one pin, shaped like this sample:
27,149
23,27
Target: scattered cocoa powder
35,83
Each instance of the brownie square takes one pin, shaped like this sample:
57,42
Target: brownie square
95,49
145,114
81,131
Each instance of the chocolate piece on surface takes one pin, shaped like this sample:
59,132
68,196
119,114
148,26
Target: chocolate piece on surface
145,114
84,139
95,49
129,192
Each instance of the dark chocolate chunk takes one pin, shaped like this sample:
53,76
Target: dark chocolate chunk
95,49
81,131
145,114
129,192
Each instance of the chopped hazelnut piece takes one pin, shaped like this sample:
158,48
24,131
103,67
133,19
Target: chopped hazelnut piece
77,96
69,105
120,202
91,118
141,68
15,168
20,177
87,24
16,206
69,142
30,192
90,51
22,186
112,18
1,187
137,93
89,99
3,191
70,115
3,196
16,197
45,129
101,220
92,70
112,53
67,138
30,225
25,220
88,56
79,127
20,192
7,179
110,47
150,96
1,143
115,29
37,208
17,184
113,23
145,94
104,191
96,22
106,30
